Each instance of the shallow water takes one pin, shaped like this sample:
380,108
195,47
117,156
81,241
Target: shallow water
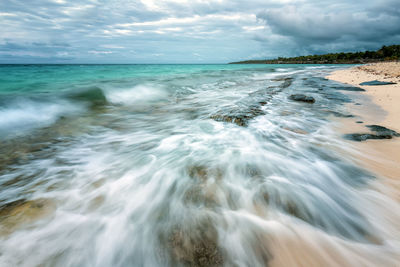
184,165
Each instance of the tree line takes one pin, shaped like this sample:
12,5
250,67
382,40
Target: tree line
385,53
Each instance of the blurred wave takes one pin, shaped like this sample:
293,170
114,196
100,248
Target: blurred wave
191,166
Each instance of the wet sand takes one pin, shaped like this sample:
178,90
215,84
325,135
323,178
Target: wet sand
381,107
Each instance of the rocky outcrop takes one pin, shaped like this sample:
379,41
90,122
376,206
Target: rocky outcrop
376,82
241,118
302,98
379,132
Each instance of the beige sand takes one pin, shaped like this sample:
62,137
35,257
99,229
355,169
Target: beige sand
380,156
386,96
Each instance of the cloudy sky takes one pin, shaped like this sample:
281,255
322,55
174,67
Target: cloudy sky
190,31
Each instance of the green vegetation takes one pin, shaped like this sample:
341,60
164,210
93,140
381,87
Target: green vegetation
386,53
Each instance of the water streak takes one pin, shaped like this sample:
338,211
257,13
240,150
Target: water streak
190,166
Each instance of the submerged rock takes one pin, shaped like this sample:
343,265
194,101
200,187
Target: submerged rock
15,214
195,246
286,83
341,115
240,121
302,98
203,192
240,118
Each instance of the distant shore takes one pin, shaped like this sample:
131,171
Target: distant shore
382,108
384,54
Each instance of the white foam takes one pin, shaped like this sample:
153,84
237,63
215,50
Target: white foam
26,114
139,94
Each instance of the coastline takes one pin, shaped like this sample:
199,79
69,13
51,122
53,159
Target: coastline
377,105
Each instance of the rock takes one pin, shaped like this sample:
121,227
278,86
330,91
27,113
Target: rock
197,247
240,118
240,121
198,171
22,212
376,82
302,98
382,130
341,115
359,122
365,136
287,81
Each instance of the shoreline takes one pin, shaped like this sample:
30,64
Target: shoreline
377,105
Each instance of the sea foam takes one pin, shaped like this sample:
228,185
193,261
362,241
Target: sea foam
140,94
25,114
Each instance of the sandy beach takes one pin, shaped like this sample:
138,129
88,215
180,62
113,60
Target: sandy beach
380,107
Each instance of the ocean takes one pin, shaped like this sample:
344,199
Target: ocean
184,165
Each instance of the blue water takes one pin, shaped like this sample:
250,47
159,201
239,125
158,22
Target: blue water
45,78
184,165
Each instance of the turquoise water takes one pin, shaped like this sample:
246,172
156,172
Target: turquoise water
37,95
45,78
184,165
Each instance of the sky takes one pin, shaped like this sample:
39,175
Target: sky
190,31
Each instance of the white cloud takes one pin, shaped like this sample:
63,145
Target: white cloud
218,30
99,52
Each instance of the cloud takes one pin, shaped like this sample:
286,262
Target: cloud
100,52
333,27
178,31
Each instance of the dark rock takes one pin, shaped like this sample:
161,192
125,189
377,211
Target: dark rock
382,130
376,82
365,136
240,118
287,81
302,98
341,115
359,122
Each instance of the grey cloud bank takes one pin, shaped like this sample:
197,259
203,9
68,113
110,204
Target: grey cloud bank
181,31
